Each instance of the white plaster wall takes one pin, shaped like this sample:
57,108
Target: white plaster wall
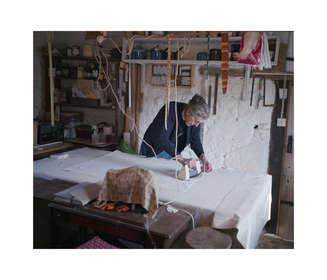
230,140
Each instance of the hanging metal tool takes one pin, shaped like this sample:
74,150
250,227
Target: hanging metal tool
253,79
260,96
282,121
216,95
209,98
247,73
264,94
207,72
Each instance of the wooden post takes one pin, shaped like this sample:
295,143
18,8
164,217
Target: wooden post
50,38
137,109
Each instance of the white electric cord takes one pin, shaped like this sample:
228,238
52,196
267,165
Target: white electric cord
166,204
98,58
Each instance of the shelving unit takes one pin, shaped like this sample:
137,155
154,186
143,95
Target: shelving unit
59,59
65,84
274,42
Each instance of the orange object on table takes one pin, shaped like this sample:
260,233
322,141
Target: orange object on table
110,206
122,208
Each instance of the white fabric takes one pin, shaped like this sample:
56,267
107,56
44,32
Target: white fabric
265,60
225,198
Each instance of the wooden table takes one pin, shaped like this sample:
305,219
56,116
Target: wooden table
164,228
108,145
53,149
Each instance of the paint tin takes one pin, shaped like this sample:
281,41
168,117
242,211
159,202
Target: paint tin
139,53
215,54
156,54
202,56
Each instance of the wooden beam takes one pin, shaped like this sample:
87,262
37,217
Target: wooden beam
137,109
275,158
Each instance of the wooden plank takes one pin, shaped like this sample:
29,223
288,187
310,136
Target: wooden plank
284,148
137,109
58,148
286,222
232,64
275,159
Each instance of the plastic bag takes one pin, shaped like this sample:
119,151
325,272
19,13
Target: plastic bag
125,148
250,49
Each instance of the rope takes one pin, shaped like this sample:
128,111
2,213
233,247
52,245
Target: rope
98,58
168,83
106,76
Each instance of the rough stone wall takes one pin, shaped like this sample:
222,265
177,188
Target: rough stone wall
230,138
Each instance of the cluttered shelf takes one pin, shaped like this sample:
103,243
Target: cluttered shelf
153,50
94,106
183,62
182,39
86,58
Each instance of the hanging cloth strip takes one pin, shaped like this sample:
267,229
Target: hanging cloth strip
265,60
224,58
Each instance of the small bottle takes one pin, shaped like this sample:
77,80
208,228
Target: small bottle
72,129
95,135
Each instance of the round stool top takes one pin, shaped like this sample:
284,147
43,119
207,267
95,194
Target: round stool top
208,238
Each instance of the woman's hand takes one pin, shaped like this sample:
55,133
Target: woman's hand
206,165
190,162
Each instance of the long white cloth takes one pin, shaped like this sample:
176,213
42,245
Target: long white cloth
225,198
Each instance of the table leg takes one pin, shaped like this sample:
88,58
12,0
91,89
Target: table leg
55,231
82,234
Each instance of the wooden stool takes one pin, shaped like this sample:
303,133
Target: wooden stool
208,238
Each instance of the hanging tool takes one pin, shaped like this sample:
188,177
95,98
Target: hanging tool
216,95
264,93
259,98
253,79
282,121
128,109
209,98
247,74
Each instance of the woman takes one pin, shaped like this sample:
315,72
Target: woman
163,141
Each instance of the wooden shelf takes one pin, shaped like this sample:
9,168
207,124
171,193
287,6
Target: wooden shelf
193,39
234,64
85,58
75,79
85,106
202,41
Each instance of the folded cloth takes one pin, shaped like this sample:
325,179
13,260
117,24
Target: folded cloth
131,185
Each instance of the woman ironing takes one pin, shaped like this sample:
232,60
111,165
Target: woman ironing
163,141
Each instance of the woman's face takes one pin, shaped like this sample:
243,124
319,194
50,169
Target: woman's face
191,120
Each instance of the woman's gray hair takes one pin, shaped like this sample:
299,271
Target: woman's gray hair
198,107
